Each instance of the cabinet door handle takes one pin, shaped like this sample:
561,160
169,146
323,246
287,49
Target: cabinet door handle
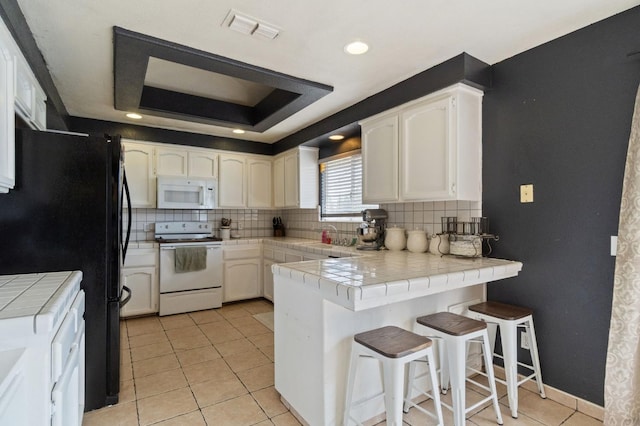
453,188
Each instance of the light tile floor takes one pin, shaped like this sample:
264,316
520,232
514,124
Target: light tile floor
216,368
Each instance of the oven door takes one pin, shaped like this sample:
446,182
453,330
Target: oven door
172,281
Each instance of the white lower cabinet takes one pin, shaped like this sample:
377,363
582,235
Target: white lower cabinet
42,351
140,275
267,280
13,388
242,272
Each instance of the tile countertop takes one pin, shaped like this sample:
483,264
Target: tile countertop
371,279
34,303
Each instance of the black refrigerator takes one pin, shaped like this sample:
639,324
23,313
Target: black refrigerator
65,213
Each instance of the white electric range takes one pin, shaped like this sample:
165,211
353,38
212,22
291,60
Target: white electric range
190,267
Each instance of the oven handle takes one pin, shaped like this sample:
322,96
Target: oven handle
173,247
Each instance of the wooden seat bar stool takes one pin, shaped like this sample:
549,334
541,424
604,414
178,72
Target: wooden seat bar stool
394,347
453,333
509,318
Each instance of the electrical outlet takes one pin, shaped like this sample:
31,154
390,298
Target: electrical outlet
526,193
524,340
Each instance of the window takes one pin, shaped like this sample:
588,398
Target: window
341,188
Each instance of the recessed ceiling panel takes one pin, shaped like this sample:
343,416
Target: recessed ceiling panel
198,82
133,53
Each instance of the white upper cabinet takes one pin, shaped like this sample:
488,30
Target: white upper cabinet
7,120
295,178
203,164
291,180
278,182
259,193
244,181
25,91
20,93
426,150
171,161
232,187
29,97
380,154
139,165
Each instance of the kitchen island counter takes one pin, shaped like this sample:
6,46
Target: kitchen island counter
321,304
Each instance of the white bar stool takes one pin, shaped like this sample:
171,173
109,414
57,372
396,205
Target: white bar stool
509,318
394,347
453,333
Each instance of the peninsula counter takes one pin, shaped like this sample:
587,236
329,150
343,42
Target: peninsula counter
320,304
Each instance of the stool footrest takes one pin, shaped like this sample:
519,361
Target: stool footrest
365,400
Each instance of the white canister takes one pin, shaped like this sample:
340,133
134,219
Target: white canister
225,233
395,239
417,241
439,244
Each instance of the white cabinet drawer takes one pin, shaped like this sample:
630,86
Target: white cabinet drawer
243,252
63,341
78,309
141,257
61,346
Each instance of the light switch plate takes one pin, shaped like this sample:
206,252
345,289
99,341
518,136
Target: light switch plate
526,193
614,245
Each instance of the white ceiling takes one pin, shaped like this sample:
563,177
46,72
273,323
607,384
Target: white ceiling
405,38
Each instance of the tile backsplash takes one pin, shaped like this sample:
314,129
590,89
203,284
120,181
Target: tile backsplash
304,223
248,222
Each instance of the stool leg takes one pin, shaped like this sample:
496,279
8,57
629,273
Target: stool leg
412,373
492,330
393,390
444,366
351,378
456,352
434,387
535,360
488,359
508,334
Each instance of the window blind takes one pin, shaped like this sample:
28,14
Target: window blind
341,187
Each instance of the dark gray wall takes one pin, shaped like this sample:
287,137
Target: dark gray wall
559,116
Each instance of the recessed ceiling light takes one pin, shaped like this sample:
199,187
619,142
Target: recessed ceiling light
134,116
336,137
238,131
356,48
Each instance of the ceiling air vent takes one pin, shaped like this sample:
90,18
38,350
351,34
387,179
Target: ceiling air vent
250,26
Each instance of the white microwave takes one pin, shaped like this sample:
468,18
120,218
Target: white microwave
187,193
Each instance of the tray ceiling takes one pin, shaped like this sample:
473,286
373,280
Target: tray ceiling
76,40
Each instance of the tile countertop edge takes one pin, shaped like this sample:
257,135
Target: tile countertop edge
355,298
